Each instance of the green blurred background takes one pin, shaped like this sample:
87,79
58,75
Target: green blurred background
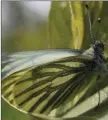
34,25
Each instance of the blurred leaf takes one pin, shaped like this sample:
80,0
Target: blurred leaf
95,7
68,24
25,40
77,20
10,113
59,29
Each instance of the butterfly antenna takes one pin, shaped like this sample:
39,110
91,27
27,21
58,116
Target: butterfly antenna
90,26
98,28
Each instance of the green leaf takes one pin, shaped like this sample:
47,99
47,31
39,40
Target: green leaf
59,29
68,25
10,113
77,21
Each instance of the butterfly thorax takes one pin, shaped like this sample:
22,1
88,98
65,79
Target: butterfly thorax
99,58
96,53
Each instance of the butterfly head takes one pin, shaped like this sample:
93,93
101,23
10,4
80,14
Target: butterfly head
99,46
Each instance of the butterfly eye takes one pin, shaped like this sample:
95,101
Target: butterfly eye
100,46
103,46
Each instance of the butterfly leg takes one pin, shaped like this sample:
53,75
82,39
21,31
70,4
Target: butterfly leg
97,88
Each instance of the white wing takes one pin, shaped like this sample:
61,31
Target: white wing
21,60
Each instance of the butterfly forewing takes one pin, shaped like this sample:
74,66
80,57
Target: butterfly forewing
45,87
8,85
21,60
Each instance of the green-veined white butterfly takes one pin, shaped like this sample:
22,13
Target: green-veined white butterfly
42,81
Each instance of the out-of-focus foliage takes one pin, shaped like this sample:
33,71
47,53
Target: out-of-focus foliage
68,24
63,30
59,27
10,113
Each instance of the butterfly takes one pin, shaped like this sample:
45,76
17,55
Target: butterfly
41,81
43,87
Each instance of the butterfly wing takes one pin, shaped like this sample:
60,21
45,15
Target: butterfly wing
45,87
21,60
